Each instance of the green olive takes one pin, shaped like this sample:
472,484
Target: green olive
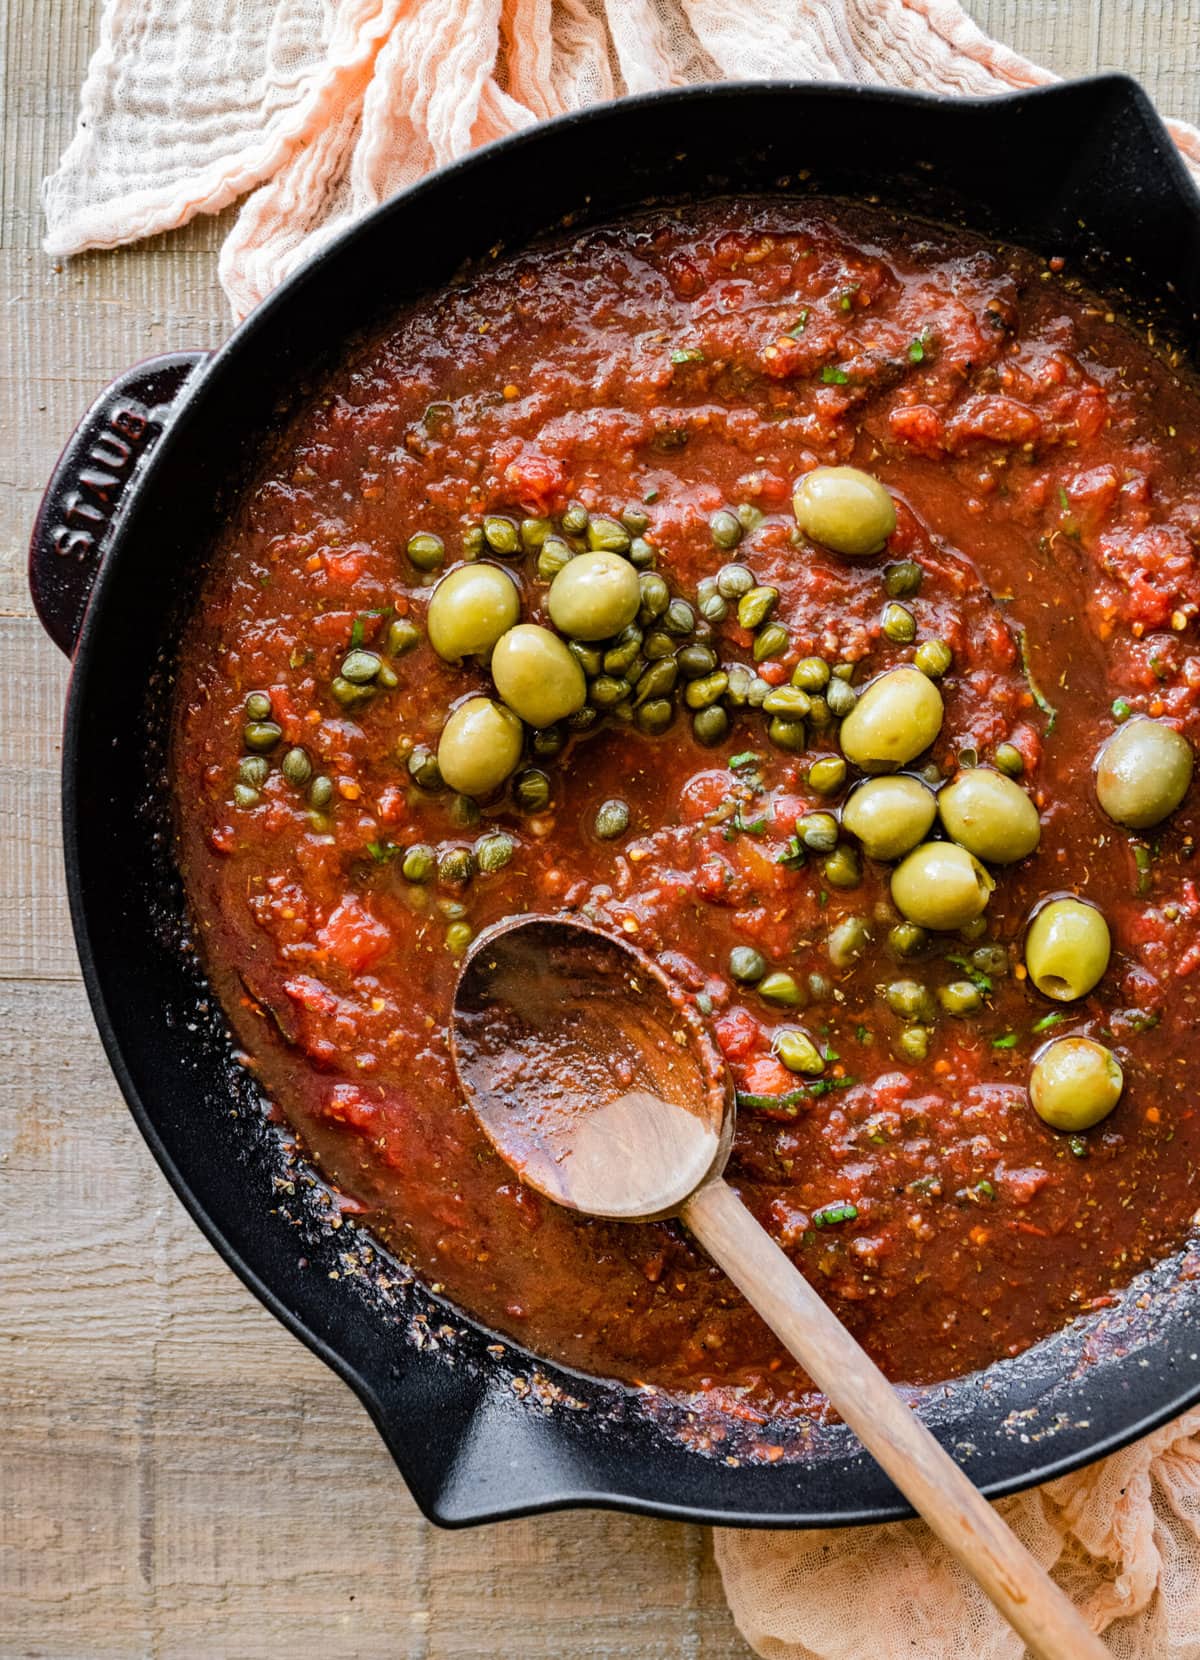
896,717
594,596
990,816
1143,773
536,675
471,607
889,815
479,746
844,509
1067,949
940,885
1075,1083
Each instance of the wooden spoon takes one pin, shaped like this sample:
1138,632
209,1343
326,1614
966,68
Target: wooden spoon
603,1089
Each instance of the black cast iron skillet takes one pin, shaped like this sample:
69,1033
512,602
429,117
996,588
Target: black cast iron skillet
479,1429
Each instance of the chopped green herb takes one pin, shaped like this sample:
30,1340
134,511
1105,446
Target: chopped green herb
1143,1020
745,758
381,852
925,1186
799,326
1078,1146
356,634
688,354
830,1215
1048,1020
862,1034
833,376
738,825
1122,708
985,1188
650,498
1143,859
1064,501
982,982
1008,1041
846,298
919,347
793,855
704,1003
1039,696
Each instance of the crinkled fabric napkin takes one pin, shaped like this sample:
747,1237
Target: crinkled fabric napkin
319,109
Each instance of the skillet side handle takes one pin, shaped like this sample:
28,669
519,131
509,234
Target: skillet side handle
83,497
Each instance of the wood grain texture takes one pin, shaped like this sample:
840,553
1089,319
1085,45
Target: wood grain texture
178,1478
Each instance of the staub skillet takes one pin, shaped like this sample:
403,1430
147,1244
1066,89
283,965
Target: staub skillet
479,1429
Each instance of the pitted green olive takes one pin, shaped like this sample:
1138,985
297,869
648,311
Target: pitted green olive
471,607
1067,949
941,885
479,746
895,718
537,676
1075,1083
990,816
1143,773
596,595
844,509
889,815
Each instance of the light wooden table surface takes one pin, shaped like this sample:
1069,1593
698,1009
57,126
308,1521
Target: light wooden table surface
179,1479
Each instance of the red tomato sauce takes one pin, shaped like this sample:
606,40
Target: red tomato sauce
1043,458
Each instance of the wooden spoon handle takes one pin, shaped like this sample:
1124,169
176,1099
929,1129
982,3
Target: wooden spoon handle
927,1476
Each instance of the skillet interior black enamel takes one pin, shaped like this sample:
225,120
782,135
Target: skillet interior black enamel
480,1430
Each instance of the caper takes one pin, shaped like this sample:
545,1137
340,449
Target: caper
458,936
841,868
903,579
501,535
746,965
589,658
419,863
819,715
906,939
898,624
733,581
758,692
770,641
607,536
696,660
258,706
656,596
456,866
786,734
799,1053
725,529
641,554
827,775
780,987
843,671
844,509
714,609
552,556
635,520
534,532
973,929
471,607
583,718
840,698
749,516
990,959
296,767
657,681
612,818
254,770
347,693
788,701
889,815
463,812
361,667
811,674
910,1000
699,694
1074,1083
594,596
847,941
657,644
896,717
1010,760
245,795
818,832
320,791
1067,948
710,725
423,768
261,735
655,716
575,519
472,542
536,675
1143,772
820,988
960,997
913,1042
933,658
940,885
607,690
741,679
756,606
479,746
531,790
990,816
679,618
402,636
426,552
494,851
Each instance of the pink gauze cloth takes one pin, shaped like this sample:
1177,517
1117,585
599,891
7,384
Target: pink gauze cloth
319,109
